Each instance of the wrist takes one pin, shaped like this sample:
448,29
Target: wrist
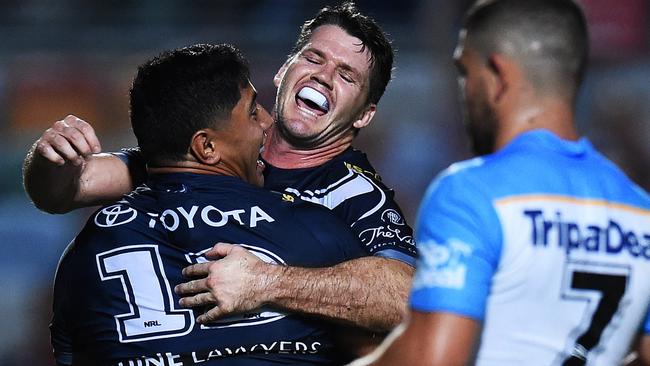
270,286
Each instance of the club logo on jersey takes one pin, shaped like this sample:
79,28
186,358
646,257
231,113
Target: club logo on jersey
258,316
115,215
610,238
392,217
442,265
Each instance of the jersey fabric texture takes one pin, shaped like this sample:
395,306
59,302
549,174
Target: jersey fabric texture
349,186
114,302
547,243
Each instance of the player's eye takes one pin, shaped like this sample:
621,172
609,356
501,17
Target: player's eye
346,77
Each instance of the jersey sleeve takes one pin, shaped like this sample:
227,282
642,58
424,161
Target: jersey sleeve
646,326
135,162
60,328
459,246
373,214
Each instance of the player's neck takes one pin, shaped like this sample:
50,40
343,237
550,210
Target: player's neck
190,167
281,154
549,114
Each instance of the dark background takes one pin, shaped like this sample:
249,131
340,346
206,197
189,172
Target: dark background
74,56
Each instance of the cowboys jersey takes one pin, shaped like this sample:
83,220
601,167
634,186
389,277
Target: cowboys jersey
547,243
349,186
114,302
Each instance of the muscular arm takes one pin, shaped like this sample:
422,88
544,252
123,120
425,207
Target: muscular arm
61,173
369,292
429,339
62,188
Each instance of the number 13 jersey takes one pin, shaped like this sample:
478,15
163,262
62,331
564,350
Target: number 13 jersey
114,302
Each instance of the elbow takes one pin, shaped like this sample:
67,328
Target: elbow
46,199
49,206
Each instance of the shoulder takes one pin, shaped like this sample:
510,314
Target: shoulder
357,161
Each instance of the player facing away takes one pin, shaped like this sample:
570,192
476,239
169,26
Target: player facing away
199,127
537,252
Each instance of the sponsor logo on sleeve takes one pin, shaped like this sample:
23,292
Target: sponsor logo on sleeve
392,233
442,265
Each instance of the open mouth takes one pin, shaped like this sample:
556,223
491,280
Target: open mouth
313,101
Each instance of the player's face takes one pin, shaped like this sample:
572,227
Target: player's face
245,135
323,89
478,114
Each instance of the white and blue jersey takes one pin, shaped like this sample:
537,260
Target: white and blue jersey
113,298
545,242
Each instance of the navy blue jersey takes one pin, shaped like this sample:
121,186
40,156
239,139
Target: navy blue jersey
349,186
114,302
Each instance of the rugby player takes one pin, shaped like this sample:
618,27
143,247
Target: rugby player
537,252
198,124
328,90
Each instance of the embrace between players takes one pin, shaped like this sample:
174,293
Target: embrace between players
143,283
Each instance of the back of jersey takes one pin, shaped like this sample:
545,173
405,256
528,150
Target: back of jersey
556,258
114,300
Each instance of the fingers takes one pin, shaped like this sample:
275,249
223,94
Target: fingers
202,299
68,140
45,150
220,250
87,132
197,270
191,287
210,315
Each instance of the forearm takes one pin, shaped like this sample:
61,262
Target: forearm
61,188
369,292
51,187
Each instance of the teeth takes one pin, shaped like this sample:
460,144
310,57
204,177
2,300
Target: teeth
314,96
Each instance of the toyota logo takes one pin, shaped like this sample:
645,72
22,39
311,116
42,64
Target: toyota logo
115,215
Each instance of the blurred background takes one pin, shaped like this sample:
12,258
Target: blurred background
78,57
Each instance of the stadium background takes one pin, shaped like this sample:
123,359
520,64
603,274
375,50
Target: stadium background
74,56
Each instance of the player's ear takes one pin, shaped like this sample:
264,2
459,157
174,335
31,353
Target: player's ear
502,76
204,147
280,74
366,116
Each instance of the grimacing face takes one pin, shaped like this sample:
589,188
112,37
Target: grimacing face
479,116
323,89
